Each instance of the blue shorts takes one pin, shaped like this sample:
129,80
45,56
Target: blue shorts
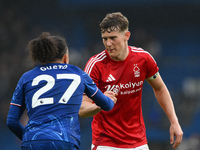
48,145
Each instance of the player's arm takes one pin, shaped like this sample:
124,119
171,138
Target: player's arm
16,110
89,109
104,101
164,99
13,120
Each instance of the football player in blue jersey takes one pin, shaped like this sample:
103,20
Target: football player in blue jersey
52,94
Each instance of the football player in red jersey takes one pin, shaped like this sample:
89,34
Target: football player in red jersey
122,68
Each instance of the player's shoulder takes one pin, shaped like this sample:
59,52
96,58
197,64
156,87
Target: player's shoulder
98,57
139,51
26,76
28,73
97,60
74,68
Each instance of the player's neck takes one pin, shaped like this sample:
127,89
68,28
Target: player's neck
122,56
57,62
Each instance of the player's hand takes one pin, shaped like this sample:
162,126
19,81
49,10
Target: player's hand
175,131
111,95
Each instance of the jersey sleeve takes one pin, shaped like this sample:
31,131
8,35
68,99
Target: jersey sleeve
90,86
18,95
16,110
103,101
96,95
152,67
92,70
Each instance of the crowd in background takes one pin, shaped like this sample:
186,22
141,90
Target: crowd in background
174,46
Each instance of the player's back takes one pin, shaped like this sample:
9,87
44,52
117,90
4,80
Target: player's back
54,87
53,95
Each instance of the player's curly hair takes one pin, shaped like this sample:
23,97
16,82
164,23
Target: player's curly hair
47,48
114,21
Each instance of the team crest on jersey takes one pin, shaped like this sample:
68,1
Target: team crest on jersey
136,70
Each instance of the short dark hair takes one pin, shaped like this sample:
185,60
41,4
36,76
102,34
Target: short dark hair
114,21
47,48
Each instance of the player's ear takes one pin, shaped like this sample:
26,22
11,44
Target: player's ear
65,58
127,35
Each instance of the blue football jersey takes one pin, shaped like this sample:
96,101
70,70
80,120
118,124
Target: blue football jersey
52,94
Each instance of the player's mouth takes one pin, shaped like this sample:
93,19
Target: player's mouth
111,50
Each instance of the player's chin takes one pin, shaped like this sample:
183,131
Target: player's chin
111,52
112,55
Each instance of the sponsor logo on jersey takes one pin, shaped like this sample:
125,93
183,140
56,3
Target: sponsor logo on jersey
110,78
136,70
126,88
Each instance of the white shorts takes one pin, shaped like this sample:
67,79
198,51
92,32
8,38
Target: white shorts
143,147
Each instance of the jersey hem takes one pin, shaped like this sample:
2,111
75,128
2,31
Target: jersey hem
45,141
123,145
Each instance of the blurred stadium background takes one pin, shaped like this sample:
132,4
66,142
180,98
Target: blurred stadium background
168,29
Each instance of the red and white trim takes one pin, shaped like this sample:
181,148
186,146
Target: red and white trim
91,63
140,50
15,104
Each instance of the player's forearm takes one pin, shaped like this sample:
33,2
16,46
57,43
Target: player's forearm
16,127
13,120
106,103
165,101
88,109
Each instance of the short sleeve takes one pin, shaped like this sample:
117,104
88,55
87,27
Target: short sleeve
92,70
152,67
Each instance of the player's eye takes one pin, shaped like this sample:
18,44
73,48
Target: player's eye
112,38
105,39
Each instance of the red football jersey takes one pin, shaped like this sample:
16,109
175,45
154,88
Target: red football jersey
123,126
